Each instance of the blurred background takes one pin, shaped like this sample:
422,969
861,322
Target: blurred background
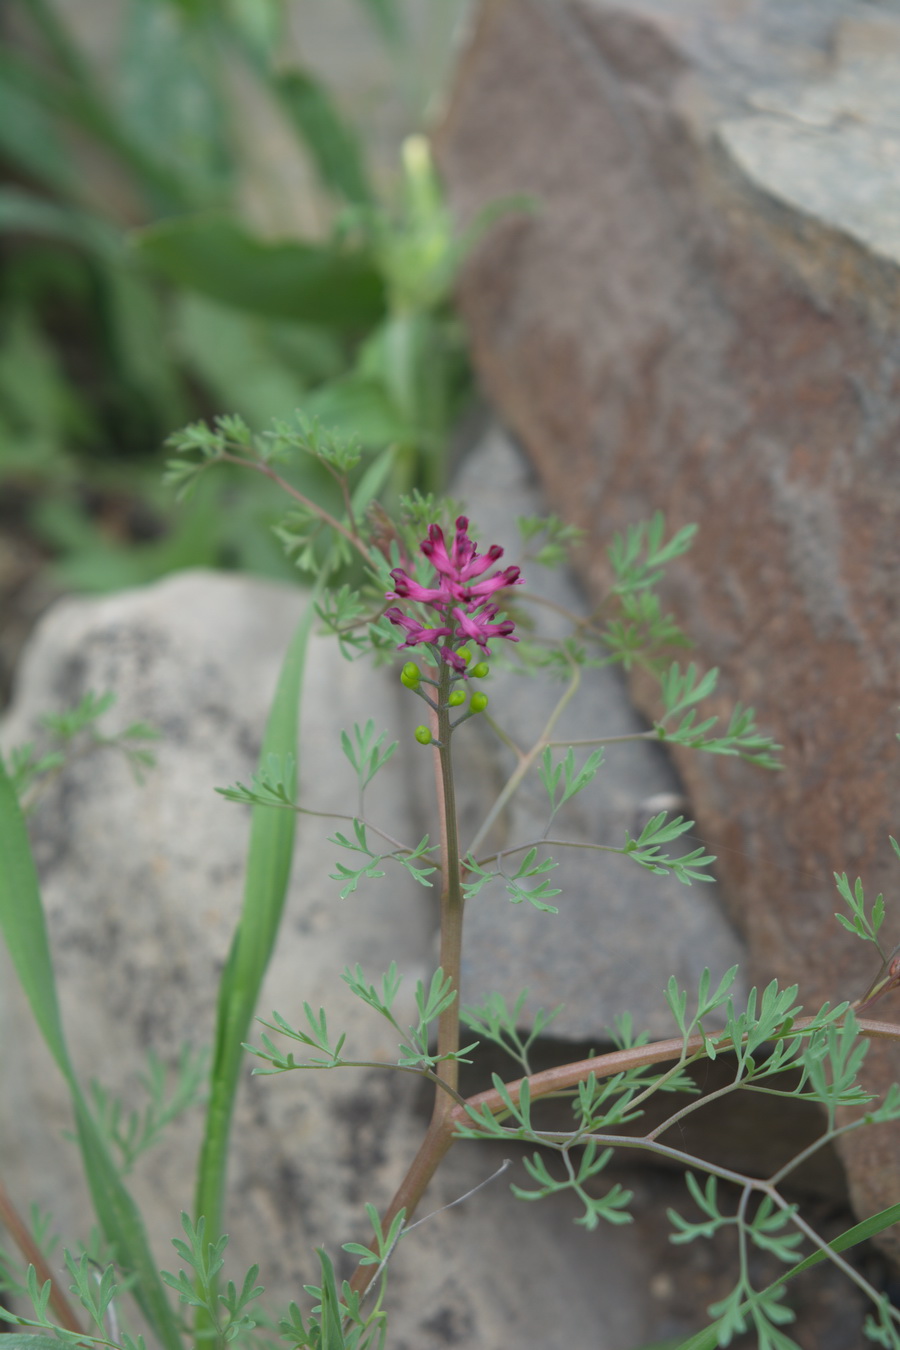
210,206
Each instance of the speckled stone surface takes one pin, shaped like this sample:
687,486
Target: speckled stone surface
142,887
620,931
700,315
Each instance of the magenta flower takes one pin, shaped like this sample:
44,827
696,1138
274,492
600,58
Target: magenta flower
460,597
417,633
477,627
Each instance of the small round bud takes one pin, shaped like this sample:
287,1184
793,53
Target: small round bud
479,703
456,698
410,675
480,670
423,735
464,655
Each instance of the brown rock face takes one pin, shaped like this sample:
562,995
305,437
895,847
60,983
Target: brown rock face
700,315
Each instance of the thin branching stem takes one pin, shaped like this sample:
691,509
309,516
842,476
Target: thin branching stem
646,1145
684,1062
339,815
747,1191
419,1070
826,1138
527,760
550,843
694,1106
859,1280
582,623
439,1138
325,516
651,735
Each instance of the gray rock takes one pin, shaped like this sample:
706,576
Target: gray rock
142,886
621,931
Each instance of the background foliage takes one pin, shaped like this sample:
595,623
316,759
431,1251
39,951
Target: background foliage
142,285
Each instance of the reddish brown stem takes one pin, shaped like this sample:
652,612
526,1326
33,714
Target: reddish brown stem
438,1140
431,1154
18,1230
617,1061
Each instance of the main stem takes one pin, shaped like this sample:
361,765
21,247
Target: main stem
439,1136
448,1113
451,899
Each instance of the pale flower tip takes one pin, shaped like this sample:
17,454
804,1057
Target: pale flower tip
416,154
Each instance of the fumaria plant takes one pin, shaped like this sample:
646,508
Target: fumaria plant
420,584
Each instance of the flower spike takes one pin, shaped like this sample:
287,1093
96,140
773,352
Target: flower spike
460,599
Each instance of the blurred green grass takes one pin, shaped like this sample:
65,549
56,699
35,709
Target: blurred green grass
139,291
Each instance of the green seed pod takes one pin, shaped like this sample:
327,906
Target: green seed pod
456,698
465,655
479,703
480,670
424,736
410,675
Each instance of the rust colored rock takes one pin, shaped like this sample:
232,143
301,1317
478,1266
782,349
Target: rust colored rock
700,315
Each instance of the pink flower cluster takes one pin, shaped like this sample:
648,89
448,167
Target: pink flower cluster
461,597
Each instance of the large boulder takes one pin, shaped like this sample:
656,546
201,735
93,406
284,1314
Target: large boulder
621,931
698,314
142,886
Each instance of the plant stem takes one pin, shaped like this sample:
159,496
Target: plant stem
549,843
526,761
432,1151
451,899
439,1138
227,457
618,1061
18,1230
827,1250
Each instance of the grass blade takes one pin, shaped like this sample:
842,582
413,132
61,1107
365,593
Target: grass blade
268,871
335,147
24,930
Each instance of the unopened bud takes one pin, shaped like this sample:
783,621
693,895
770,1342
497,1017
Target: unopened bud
480,670
479,703
410,675
423,735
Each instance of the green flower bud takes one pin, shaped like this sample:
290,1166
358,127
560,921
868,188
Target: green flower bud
480,670
424,736
410,675
479,703
465,655
456,698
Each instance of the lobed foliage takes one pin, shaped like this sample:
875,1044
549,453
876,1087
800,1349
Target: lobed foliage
373,556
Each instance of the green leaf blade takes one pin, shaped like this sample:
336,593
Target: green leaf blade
311,283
